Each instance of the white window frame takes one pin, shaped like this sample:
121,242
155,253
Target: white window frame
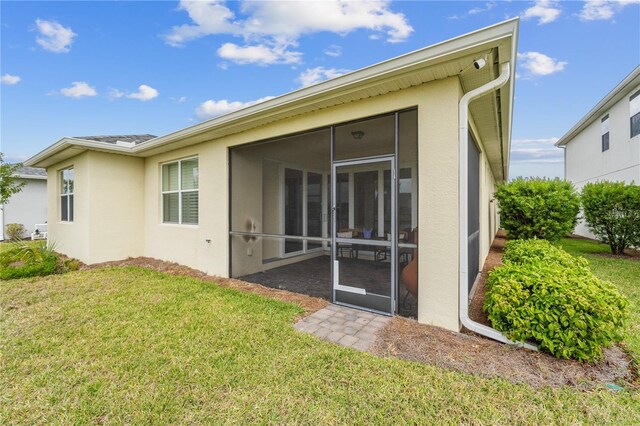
178,191
67,194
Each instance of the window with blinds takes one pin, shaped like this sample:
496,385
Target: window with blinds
180,192
66,195
604,129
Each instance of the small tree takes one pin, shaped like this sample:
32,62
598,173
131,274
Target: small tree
538,208
9,184
612,212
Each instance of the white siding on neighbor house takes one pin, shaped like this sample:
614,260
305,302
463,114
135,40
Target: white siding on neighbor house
28,207
586,162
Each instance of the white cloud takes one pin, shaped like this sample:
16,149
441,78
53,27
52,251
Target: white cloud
10,79
210,108
487,7
181,99
270,28
544,10
475,11
259,54
53,36
594,10
334,51
144,93
115,94
536,151
538,64
78,89
315,75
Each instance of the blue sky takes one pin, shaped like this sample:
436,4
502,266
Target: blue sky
95,68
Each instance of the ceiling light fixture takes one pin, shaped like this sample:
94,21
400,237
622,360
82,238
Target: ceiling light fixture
357,134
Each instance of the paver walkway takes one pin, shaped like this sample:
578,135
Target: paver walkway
345,326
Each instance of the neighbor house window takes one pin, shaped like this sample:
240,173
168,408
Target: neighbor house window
180,192
66,195
604,127
634,113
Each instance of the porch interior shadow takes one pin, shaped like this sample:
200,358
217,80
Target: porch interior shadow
313,278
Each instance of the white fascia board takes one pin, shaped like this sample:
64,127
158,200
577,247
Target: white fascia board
68,142
618,92
35,177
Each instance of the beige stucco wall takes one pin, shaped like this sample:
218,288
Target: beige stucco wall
70,238
438,247
116,206
108,208
206,246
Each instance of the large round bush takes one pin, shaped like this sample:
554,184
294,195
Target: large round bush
612,212
554,301
538,208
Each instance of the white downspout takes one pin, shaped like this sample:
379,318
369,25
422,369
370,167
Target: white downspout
463,183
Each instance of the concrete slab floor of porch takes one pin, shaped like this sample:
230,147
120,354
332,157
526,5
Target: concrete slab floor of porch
345,326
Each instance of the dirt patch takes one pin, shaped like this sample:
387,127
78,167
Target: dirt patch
407,339
494,258
308,303
629,253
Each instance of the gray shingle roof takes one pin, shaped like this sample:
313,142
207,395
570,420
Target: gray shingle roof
137,139
31,171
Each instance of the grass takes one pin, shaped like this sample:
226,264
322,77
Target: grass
623,273
128,345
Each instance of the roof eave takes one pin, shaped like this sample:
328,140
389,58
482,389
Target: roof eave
39,160
442,51
632,79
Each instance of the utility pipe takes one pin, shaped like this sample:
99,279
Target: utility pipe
463,190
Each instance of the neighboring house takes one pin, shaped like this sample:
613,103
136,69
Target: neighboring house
29,206
364,183
605,143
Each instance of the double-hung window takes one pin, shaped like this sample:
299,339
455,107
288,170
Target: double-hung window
66,195
634,113
604,127
180,192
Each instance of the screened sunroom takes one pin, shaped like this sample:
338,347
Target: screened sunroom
331,212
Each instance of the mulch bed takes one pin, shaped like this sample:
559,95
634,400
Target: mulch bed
475,354
407,339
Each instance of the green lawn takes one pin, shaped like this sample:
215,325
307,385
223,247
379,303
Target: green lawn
625,274
128,345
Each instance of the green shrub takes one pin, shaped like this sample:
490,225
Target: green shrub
612,212
534,250
543,295
538,208
28,260
71,265
14,231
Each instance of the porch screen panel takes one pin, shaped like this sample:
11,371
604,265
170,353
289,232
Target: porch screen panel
407,210
314,208
473,215
365,138
278,190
